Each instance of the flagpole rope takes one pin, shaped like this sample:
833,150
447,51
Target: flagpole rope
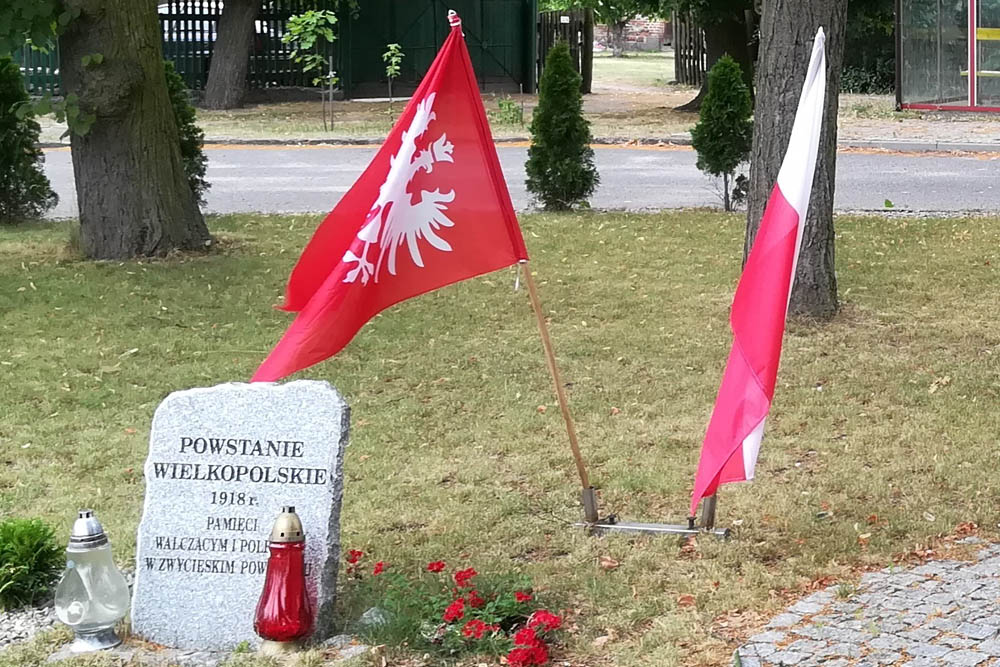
550,358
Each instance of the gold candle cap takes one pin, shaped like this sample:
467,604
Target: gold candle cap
288,527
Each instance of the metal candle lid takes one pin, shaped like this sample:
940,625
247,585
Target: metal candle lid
288,527
87,533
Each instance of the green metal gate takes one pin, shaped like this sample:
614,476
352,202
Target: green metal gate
500,35
189,37
40,70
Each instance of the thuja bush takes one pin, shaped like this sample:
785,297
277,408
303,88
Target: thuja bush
560,166
724,132
192,137
453,614
30,559
25,192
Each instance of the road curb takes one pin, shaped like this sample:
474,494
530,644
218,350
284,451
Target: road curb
921,146
672,140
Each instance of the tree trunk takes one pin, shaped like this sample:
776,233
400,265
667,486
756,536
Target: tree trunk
728,36
133,194
786,36
617,31
587,57
725,193
227,75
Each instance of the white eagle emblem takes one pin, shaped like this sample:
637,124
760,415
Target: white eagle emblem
394,217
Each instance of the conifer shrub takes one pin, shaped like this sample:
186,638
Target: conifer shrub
30,559
724,132
25,192
192,137
560,166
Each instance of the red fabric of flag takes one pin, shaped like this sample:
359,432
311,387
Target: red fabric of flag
732,441
431,209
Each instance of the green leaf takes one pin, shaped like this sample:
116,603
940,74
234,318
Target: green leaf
85,61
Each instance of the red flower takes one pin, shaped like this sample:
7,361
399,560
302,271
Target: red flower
462,577
436,566
519,657
539,653
476,628
474,600
525,637
379,568
536,654
545,620
522,597
353,556
455,611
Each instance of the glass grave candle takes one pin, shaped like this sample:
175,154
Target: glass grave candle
284,615
92,595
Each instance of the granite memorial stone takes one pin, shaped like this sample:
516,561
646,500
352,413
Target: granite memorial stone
222,462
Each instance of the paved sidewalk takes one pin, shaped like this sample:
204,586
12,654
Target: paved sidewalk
940,613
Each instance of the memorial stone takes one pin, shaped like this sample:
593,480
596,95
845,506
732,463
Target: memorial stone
222,462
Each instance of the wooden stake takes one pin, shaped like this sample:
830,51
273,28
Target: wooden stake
550,357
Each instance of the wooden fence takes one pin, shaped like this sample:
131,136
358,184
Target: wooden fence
689,50
565,26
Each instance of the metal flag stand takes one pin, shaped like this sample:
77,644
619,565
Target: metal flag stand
592,521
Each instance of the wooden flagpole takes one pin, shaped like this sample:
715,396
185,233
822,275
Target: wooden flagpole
589,497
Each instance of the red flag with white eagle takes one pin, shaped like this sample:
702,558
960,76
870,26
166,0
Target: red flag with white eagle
729,452
431,209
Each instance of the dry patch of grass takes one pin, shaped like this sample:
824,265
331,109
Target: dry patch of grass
888,410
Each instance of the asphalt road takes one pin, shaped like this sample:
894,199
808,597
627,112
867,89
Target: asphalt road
312,179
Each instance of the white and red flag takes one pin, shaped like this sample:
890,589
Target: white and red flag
732,441
431,209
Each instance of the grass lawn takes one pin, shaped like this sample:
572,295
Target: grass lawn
641,69
883,435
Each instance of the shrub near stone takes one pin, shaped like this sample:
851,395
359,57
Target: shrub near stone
30,559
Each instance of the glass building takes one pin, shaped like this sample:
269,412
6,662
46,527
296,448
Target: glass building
948,54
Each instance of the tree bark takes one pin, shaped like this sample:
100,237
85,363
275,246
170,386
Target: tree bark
227,75
786,35
587,58
724,37
617,30
133,194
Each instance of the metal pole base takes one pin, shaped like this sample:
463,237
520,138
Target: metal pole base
612,525
589,497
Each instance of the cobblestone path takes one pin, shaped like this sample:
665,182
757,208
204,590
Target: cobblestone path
940,613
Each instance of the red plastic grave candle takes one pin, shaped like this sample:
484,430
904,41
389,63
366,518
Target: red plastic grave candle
284,615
